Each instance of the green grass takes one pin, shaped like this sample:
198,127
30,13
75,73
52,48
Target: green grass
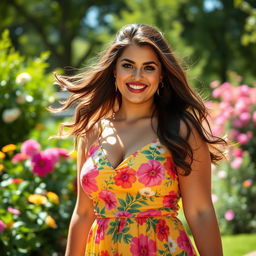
238,245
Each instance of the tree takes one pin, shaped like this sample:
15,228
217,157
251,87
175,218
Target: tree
64,27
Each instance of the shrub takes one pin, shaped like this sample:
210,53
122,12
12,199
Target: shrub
25,91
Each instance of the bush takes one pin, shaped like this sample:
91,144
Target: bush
37,198
234,114
25,91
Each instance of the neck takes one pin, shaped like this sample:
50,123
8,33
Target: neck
133,112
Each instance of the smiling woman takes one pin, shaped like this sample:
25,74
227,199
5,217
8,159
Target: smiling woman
142,146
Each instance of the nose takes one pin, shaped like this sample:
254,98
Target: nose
137,73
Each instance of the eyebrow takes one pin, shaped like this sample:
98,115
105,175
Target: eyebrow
145,63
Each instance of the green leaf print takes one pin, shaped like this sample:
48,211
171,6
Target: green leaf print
122,202
133,210
159,158
146,152
127,238
150,157
182,254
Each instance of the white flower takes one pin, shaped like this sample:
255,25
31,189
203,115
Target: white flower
23,78
147,191
10,115
172,245
21,99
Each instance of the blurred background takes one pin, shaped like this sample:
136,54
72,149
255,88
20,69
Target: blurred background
214,39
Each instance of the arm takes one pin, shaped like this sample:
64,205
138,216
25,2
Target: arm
196,198
83,215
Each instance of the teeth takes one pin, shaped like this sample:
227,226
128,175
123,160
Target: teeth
136,87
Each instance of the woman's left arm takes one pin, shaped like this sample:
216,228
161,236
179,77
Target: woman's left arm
197,202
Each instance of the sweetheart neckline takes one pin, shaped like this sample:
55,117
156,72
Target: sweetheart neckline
126,158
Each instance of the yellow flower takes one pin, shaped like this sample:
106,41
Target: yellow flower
50,222
1,167
180,204
9,224
9,147
53,197
37,199
2,155
73,154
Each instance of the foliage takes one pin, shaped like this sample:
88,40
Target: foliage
234,181
25,91
35,207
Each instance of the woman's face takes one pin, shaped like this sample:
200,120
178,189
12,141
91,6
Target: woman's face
138,74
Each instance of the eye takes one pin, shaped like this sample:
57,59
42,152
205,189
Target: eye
149,68
127,65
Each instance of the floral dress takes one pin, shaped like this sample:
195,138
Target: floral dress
135,204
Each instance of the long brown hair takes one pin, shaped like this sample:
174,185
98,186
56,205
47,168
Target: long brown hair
94,94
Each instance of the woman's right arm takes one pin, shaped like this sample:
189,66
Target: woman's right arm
83,215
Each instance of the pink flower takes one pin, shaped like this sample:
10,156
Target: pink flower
235,164
229,215
42,164
56,153
30,147
242,138
151,173
238,123
216,93
244,90
238,152
184,243
162,230
214,84
149,213
88,175
123,214
2,226
125,177
13,211
101,230
19,157
245,117
109,198
171,200
254,117
92,150
142,245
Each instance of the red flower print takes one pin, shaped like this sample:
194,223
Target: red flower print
151,173
109,198
142,245
125,177
104,253
184,243
141,220
171,200
122,222
149,213
101,230
162,230
88,174
170,167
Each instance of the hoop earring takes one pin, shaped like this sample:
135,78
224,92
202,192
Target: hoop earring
160,86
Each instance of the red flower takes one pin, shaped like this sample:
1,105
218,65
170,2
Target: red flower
171,200
170,167
140,220
162,230
125,177
104,253
17,180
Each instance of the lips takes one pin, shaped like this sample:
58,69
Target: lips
136,87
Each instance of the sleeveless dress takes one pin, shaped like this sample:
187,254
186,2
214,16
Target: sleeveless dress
136,204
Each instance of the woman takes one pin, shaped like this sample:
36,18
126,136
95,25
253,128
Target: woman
142,146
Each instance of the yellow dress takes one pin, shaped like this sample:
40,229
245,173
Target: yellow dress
135,204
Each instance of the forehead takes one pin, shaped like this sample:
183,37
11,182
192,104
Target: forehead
139,53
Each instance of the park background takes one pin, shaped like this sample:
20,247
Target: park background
215,40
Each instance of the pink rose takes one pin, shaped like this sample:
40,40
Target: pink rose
30,147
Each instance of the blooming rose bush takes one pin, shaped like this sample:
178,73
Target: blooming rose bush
37,198
234,116
25,91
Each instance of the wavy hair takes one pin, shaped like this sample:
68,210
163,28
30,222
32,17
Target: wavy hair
93,92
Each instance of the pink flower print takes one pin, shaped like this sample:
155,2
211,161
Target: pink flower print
93,149
151,173
125,177
184,243
109,198
122,222
89,173
123,214
101,230
42,164
149,213
162,230
141,220
170,167
30,147
142,245
170,200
